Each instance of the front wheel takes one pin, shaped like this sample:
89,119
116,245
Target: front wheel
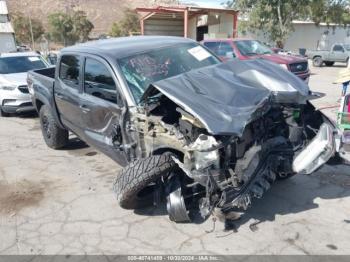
136,184
3,114
54,136
317,61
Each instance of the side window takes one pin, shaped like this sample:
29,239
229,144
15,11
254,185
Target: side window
226,49
213,46
338,48
69,70
98,81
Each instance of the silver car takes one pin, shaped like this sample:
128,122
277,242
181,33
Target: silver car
14,94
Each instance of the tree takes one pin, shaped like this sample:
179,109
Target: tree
81,26
69,28
22,28
129,24
275,17
60,27
115,30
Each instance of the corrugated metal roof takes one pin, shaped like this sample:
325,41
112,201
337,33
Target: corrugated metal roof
3,8
6,28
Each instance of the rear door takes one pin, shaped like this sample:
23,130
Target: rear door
102,108
68,88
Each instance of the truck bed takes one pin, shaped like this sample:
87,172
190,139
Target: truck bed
41,85
42,79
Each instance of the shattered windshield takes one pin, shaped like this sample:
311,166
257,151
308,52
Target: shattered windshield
143,69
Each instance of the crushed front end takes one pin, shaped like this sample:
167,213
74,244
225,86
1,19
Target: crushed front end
231,132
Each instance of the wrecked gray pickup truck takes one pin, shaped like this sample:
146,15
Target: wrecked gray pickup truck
187,128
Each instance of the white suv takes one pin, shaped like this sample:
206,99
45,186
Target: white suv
14,94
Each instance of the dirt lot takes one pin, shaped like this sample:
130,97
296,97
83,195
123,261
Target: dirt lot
61,202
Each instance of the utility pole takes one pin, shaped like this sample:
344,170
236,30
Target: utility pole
30,26
31,32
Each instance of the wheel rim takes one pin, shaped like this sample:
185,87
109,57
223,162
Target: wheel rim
46,126
317,61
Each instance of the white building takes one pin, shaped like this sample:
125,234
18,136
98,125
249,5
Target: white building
7,37
309,36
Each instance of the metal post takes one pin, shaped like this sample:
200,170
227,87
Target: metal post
235,25
186,23
31,32
142,23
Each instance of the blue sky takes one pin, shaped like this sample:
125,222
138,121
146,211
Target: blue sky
207,3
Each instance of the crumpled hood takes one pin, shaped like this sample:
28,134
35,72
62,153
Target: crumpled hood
227,96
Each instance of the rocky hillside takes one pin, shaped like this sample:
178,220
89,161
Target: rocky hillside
101,12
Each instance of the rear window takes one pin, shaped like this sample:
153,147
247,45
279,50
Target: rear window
221,48
338,48
20,64
69,70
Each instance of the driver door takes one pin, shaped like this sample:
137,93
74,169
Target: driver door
338,53
102,108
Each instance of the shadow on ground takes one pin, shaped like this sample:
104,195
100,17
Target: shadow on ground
75,144
291,196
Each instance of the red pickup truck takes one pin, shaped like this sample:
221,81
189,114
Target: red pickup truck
245,49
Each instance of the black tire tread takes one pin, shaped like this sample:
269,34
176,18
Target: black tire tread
3,114
59,137
137,175
313,61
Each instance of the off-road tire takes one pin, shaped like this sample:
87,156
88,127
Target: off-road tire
138,175
54,136
329,63
3,114
317,61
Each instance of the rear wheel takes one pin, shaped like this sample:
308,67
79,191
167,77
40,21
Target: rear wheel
136,184
317,61
329,63
54,136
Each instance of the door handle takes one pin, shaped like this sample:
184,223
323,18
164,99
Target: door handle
84,108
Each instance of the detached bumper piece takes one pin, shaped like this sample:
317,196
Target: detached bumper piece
317,153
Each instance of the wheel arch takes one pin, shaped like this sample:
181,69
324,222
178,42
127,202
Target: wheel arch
163,150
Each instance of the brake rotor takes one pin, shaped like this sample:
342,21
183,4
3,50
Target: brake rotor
176,205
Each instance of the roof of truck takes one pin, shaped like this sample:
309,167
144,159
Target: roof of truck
126,46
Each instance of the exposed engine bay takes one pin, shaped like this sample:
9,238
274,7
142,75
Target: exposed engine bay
227,171
226,151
